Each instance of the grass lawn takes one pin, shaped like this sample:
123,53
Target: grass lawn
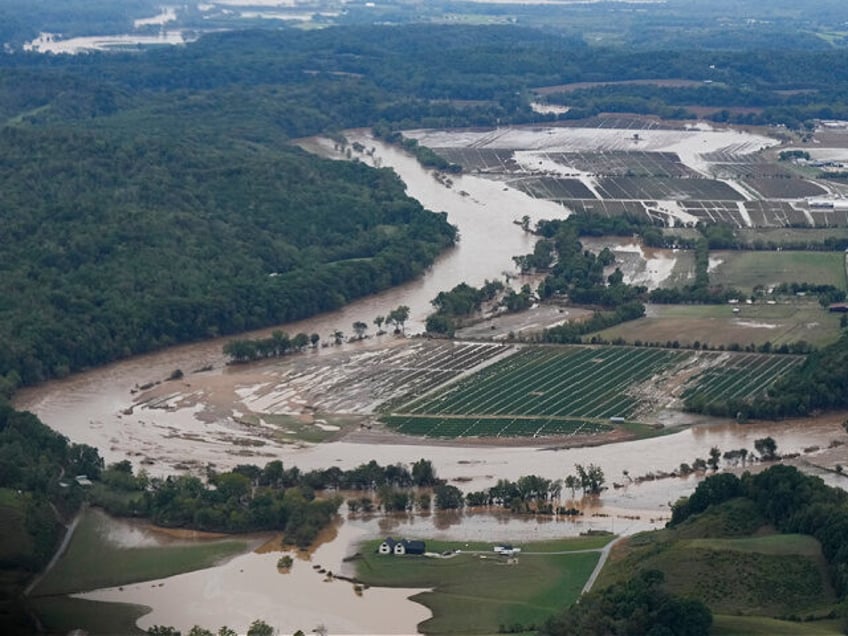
480,593
718,325
17,543
724,625
776,544
744,269
92,561
61,614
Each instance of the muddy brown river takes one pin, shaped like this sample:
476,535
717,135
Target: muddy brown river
93,408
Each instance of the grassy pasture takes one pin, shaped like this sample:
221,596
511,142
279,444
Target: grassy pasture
744,269
790,234
17,543
760,575
763,626
474,593
718,325
117,565
61,614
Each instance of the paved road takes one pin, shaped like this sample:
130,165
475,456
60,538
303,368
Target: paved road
605,551
59,552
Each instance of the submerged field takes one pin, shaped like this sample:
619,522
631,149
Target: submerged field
123,559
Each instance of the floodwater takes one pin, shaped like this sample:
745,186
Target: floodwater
93,408
53,43
88,407
249,586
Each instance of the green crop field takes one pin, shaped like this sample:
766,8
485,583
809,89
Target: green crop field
552,382
476,593
739,376
492,426
581,390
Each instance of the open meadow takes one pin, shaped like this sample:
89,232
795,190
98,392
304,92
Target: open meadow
479,592
719,325
745,270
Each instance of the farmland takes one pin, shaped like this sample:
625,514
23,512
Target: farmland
581,390
717,325
583,382
745,270
665,172
739,376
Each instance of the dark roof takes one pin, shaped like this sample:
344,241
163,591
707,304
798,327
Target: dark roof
414,546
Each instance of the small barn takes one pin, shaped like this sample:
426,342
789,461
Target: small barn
401,546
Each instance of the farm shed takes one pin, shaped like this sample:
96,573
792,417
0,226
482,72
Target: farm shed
841,308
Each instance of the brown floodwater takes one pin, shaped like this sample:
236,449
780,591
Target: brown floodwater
96,407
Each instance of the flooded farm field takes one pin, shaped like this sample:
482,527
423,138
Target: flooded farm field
319,408
677,175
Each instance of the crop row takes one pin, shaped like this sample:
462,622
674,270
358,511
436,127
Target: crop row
552,382
747,375
492,427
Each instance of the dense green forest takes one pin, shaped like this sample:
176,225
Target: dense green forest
153,198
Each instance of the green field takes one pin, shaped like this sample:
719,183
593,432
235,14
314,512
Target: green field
17,543
61,614
724,625
744,269
480,593
116,565
789,234
492,426
585,390
740,376
538,391
733,568
783,323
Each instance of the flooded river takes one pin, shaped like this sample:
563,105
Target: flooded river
96,408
